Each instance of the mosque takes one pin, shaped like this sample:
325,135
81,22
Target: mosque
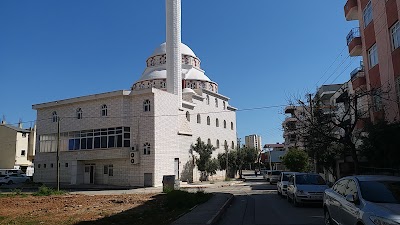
135,137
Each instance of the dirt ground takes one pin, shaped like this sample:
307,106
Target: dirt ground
72,209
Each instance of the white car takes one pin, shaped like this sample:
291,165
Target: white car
306,188
14,179
283,183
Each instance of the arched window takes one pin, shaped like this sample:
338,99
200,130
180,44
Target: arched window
146,149
224,123
208,99
233,145
104,110
226,145
224,104
79,113
146,105
217,122
188,116
216,102
231,125
55,117
209,141
208,120
217,143
198,118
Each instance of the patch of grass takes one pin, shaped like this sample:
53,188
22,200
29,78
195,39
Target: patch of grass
2,218
47,191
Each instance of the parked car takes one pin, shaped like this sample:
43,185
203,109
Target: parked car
14,179
266,174
367,200
282,183
272,176
306,188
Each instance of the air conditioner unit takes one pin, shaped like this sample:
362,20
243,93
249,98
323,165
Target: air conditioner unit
134,157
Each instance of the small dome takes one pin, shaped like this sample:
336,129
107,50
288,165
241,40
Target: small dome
188,90
161,50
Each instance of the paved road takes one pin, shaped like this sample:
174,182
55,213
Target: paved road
256,202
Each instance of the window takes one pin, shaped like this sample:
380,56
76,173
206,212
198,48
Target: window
231,125
79,113
373,56
104,110
188,116
226,145
209,141
55,117
105,170
22,152
216,102
51,165
395,34
217,143
66,164
198,118
208,100
217,122
224,123
110,170
208,120
146,105
233,145
351,189
44,165
38,166
367,14
224,104
146,149
24,135
340,187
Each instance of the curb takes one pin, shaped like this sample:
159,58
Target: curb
221,211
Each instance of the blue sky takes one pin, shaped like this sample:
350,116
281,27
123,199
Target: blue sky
260,52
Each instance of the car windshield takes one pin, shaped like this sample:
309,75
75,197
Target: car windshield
381,191
285,177
276,172
312,179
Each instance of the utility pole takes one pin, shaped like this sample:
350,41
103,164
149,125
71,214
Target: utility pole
58,153
312,123
226,149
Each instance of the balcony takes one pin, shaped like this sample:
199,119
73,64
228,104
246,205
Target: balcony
351,10
354,42
290,109
358,78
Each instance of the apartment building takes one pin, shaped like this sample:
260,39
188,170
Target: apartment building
377,40
17,147
253,141
294,126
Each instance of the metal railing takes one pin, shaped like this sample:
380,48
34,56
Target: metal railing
354,33
356,70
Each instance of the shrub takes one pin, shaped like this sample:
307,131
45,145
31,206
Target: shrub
47,191
184,199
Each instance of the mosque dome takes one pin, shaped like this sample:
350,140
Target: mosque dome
161,50
155,74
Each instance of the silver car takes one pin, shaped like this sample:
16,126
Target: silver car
283,181
14,179
365,200
305,188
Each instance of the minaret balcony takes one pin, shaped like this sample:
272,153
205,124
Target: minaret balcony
351,10
354,42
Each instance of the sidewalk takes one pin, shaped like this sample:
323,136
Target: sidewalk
207,213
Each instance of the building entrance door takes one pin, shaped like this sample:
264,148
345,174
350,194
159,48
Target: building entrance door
148,179
176,168
88,176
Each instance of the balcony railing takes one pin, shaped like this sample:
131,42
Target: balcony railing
356,71
354,33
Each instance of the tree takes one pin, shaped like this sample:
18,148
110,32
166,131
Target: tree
381,145
203,161
212,166
237,159
296,160
330,131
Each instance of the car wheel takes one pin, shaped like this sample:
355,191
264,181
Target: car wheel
327,218
10,182
279,193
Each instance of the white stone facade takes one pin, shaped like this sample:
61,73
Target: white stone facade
164,127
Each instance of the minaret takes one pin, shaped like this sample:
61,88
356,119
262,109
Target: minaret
173,48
